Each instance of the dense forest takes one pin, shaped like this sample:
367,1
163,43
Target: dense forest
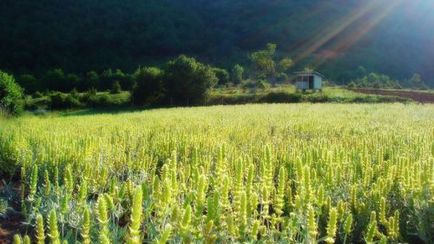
335,37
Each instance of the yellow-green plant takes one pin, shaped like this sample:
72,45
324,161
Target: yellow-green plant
54,232
331,225
311,224
17,239
47,183
85,227
26,239
40,233
136,218
33,183
347,226
371,231
253,173
103,219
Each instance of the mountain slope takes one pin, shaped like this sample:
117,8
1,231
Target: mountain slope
333,36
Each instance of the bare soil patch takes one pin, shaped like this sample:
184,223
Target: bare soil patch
418,96
11,223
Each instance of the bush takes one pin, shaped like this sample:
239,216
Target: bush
281,97
374,80
148,88
352,84
282,77
38,94
104,100
263,84
29,83
249,84
187,81
43,102
116,89
237,74
63,101
9,156
222,76
91,92
11,94
317,98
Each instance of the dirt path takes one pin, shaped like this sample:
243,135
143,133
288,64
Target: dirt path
418,96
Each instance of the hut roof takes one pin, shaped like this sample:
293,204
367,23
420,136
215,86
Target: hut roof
309,73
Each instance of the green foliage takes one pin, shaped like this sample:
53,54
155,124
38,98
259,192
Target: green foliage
417,82
264,66
92,79
284,65
281,97
237,74
222,76
54,80
149,86
29,83
11,94
116,88
282,77
60,100
263,84
187,81
249,84
374,80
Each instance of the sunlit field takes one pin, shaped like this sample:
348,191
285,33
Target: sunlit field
278,173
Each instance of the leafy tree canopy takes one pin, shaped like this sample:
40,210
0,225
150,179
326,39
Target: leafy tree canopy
11,94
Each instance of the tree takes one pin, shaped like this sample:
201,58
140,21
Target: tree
222,76
29,83
106,79
237,74
264,66
148,86
92,80
11,94
285,64
116,89
120,77
187,81
361,72
71,81
54,80
417,82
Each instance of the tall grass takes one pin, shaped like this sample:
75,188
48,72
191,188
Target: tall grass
278,173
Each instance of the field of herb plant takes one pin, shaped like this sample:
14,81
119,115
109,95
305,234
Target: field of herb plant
280,173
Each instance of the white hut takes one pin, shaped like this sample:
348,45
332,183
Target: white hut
308,80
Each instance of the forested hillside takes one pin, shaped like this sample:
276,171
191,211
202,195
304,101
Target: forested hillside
335,37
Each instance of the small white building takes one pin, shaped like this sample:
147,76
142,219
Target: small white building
308,80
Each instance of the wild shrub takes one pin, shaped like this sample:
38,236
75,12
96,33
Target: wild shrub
11,94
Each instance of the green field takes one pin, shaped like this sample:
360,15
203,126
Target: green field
269,173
